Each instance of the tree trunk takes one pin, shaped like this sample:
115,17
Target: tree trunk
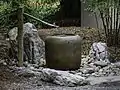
20,36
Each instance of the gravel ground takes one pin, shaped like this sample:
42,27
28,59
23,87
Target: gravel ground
10,80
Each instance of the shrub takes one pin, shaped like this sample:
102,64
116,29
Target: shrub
42,9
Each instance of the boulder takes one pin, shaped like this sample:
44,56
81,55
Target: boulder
63,78
34,46
13,33
99,52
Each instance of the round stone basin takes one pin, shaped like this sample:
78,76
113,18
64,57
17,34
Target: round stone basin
63,52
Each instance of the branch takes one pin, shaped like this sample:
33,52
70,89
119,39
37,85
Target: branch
40,20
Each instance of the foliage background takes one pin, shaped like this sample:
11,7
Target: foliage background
42,9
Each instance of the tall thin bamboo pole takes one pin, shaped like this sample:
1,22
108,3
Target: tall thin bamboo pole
20,36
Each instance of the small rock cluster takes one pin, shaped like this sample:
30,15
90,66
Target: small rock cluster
99,69
97,63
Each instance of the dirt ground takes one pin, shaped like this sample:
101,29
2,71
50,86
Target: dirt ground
12,80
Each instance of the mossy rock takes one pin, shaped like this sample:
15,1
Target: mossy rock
63,52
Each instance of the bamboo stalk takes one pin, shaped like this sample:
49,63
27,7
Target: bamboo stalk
40,20
20,36
101,14
114,17
97,25
107,17
117,21
117,34
111,26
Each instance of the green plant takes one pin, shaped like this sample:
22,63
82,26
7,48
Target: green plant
13,11
8,18
5,10
43,9
109,11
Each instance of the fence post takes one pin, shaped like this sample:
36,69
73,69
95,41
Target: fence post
20,35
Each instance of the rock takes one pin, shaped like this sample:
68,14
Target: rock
73,72
97,69
42,62
85,60
79,73
83,56
99,51
101,70
96,74
92,65
111,74
98,55
117,65
107,67
26,73
87,75
25,64
100,80
13,33
100,63
87,70
62,77
34,46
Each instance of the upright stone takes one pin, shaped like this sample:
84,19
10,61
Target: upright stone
99,52
33,45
